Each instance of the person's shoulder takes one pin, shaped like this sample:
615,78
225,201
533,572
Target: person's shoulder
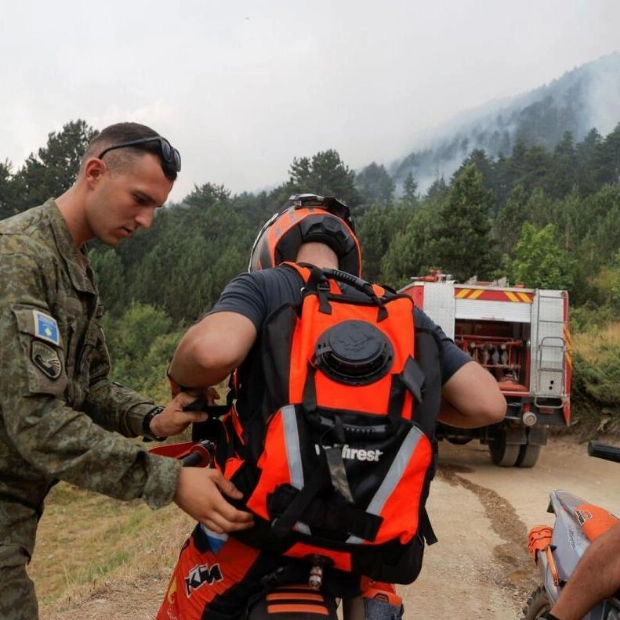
273,276
25,221
279,285
252,278
283,272
421,318
22,234
254,282
28,267
28,223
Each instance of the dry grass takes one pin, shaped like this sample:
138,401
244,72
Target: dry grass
594,344
89,545
87,541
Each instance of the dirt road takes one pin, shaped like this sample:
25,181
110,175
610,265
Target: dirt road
481,515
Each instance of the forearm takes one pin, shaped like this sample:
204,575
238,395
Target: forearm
472,398
450,415
117,408
66,444
111,405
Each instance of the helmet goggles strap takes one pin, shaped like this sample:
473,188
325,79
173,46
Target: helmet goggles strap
327,203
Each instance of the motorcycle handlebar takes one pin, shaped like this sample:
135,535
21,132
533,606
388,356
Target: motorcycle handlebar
604,451
192,459
201,454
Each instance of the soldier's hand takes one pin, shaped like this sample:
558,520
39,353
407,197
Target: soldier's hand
173,419
200,493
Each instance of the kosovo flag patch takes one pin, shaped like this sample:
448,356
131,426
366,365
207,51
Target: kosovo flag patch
46,328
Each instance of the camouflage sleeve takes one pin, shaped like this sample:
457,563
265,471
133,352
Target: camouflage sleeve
38,423
111,405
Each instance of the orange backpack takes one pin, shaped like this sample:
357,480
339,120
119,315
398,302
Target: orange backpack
344,448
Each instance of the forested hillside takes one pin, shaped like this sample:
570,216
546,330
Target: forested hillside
579,100
543,217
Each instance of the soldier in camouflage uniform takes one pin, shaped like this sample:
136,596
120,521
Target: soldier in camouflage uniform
57,407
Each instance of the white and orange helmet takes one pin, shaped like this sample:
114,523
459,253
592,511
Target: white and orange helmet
308,218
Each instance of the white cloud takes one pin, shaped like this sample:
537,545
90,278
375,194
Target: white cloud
243,87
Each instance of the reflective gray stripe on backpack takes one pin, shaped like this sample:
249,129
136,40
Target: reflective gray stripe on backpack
391,480
293,454
293,447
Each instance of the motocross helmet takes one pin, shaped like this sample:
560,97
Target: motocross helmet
303,219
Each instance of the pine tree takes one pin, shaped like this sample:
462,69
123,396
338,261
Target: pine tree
465,246
511,217
410,191
8,191
375,185
54,168
325,174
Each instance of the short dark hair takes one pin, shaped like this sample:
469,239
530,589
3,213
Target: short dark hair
119,134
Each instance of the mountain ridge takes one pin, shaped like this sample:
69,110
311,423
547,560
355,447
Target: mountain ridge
584,98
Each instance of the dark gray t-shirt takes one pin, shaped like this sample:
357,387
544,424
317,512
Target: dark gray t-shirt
257,294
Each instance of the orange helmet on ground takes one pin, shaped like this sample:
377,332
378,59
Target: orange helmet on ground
303,219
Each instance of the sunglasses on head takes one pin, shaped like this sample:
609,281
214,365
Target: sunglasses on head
168,154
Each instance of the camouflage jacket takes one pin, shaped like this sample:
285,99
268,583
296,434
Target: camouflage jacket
57,406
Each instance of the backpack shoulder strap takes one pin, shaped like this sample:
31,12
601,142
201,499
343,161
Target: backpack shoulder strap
304,270
316,280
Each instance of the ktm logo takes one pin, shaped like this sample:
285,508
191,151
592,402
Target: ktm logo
201,574
356,454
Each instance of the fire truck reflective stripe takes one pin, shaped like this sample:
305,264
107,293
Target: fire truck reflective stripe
519,297
567,339
493,295
394,474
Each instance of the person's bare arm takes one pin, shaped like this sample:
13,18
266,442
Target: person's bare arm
212,349
472,398
596,577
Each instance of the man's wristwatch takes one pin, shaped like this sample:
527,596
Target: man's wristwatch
146,424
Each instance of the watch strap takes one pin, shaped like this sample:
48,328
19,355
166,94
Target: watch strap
146,424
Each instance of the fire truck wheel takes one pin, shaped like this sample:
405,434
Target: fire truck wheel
503,454
528,455
459,441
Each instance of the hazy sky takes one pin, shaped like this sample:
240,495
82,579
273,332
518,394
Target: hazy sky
242,87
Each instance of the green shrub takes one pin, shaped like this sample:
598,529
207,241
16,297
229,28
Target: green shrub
141,344
596,385
589,317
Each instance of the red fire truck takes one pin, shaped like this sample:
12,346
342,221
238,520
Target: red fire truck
521,336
